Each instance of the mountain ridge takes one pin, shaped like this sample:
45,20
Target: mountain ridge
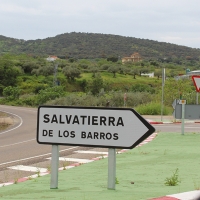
97,45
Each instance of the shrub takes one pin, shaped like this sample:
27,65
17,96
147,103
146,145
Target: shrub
11,93
152,108
173,180
133,99
143,88
116,99
49,94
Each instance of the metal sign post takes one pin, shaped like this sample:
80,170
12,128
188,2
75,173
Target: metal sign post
162,100
181,114
111,168
54,167
183,118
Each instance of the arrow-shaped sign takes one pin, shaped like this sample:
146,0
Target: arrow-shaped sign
91,126
196,81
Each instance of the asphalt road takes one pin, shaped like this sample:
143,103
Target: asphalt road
18,145
177,127
19,141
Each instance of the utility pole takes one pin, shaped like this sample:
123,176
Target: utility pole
163,84
55,75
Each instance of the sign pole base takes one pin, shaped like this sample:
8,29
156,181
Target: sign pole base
182,120
111,168
54,167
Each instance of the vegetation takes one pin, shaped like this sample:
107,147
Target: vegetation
3,124
31,80
173,180
90,46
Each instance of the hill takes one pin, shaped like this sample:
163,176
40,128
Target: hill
91,45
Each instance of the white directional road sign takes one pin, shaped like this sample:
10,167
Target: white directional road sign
196,80
91,126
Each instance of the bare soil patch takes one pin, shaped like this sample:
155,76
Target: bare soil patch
5,121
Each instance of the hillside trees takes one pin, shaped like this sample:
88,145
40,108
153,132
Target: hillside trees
113,69
11,93
8,72
45,70
134,72
143,70
94,69
96,85
50,93
173,88
158,73
71,72
29,66
91,46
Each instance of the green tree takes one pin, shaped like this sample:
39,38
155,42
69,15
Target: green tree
173,88
94,70
134,72
8,72
49,94
143,70
28,66
112,58
158,73
113,69
96,84
71,72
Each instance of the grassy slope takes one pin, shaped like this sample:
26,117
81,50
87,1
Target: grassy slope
122,79
119,83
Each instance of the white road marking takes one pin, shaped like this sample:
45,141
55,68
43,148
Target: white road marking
29,168
36,156
191,127
21,121
74,160
17,143
92,152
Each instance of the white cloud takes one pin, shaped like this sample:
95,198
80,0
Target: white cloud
174,21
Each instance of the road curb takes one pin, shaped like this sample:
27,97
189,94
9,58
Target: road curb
189,122
191,195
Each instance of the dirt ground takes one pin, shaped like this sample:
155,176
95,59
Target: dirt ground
5,121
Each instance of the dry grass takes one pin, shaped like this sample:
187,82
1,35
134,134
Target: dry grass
3,125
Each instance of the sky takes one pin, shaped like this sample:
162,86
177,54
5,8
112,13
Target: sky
172,21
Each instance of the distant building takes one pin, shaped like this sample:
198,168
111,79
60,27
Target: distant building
133,58
150,75
52,58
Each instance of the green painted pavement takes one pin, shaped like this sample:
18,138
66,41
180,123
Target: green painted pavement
147,166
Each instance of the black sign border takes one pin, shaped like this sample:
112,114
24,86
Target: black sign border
150,128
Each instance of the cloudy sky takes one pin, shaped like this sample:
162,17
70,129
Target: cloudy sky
173,21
